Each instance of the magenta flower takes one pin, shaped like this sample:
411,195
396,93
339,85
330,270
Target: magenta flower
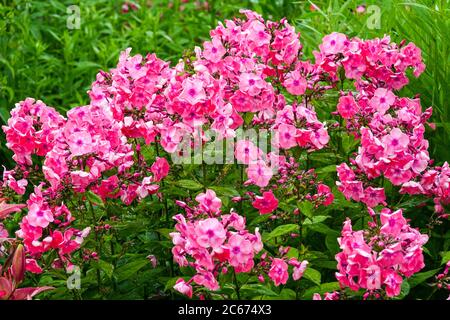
347,107
265,204
392,223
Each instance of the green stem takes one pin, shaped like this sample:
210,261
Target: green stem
236,285
97,243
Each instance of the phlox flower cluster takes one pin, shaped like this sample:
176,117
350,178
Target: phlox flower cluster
211,242
377,259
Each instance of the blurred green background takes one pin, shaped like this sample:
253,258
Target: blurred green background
41,57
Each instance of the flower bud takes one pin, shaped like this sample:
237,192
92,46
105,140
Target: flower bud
18,264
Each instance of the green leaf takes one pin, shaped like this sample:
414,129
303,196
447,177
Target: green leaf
324,287
106,267
256,289
225,191
165,232
313,275
404,291
418,278
281,230
445,257
130,269
332,244
326,169
306,208
322,228
292,253
189,184
315,219
94,199
287,294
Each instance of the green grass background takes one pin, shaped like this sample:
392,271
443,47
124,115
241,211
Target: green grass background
41,58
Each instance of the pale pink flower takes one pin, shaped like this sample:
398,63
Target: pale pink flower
287,136
395,141
183,287
210,233
259,173
80,143
193,91
392,223
333,43
209,201
279,271
382,100
241,250
214,50
246,152
251,83
38,217
295,84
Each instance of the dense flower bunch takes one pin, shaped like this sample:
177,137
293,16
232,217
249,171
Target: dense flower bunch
211,242
377,259
391,129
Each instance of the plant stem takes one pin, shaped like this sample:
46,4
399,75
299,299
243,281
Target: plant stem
236,285
97,243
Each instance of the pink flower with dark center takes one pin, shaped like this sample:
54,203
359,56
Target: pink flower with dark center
259,173
347,107
374,196
395,141
209,201
392,223
265,204
38,217
333,43
246,152
214,50
193,91
241,250
287,136
279,271
251,83
210,233
295,84
80,143
382,100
